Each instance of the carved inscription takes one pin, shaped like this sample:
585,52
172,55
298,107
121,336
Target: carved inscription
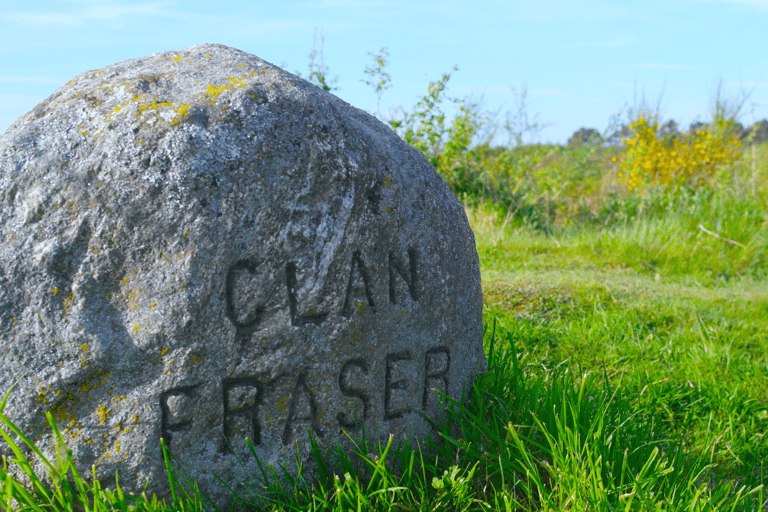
246,311
352,285
245,321
407,273
437,362
167,427
348,390
390,385
244,398
290,279
244,408
301,390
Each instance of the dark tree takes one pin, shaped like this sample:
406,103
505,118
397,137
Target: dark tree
615,139
696,127
584,136
739,131
669,128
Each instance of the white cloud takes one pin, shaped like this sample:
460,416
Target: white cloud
105,11
7,100
344,4
762,4
39,19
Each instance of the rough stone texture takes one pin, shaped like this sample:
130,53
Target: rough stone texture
198,244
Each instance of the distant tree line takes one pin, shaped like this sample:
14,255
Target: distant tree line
587,136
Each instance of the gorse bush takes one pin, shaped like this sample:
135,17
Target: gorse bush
553,187
660,159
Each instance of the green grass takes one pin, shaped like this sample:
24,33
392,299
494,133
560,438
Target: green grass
627,344
612,385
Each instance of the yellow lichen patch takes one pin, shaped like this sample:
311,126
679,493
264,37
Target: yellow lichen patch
177,59
153,106
281,403
213,92
68,303
63,414
153,304
116,109
136,327
40,398
84,347
164,351
133,299
103,414
55,291
195,360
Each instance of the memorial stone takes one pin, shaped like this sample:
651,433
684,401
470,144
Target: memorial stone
201,247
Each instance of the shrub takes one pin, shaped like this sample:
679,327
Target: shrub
654,157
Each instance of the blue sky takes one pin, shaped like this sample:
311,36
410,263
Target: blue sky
581,62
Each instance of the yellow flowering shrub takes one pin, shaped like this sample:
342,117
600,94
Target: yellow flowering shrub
656,159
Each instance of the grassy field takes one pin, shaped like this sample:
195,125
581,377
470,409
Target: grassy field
628,370
627,345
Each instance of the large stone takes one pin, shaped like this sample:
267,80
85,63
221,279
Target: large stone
197,245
